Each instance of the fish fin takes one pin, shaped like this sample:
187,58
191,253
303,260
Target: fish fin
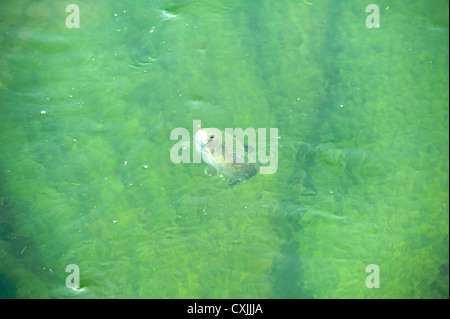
233,182
248,148
210,171
308,192
308,188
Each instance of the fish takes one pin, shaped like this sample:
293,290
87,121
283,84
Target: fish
234,161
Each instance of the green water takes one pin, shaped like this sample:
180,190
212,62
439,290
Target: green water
362,116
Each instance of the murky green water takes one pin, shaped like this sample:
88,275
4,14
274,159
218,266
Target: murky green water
363,175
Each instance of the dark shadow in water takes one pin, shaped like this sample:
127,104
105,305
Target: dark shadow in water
19,247
7,288
287,268
295,183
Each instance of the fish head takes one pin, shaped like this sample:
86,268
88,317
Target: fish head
208,143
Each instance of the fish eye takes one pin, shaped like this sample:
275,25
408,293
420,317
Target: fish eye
211,137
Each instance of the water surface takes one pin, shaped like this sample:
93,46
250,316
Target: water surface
362,116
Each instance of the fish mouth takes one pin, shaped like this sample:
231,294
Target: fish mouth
200,140
208,144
